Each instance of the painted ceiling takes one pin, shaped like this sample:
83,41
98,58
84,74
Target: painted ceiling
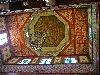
31,37
63,30
50,33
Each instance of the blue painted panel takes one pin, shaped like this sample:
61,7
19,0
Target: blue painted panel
70,60
45,61
24,61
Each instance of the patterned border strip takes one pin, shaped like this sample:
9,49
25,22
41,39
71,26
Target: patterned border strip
58,68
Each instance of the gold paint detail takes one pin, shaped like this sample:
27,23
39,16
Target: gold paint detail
55,27
6,53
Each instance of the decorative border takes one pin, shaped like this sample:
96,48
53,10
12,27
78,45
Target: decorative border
58,68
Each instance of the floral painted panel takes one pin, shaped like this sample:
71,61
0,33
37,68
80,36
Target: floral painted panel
2,23
6,53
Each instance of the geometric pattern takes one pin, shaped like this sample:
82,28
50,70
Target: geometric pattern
6,54
13,60
81,31
67,14
57,60
95,25
47,27
15,25
24,61
22,19
78,35
69,50
58,68
26,52
70,60
74,28
83,59
14,35
45,61
90,52
2,23
89,10
45,69
55,28
34,60
49,60
95,42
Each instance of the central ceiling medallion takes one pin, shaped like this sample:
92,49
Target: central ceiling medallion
46,33
52,27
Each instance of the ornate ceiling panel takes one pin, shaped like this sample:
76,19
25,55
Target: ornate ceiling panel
49,33
76,45
2,23
49,25
15,26
78,34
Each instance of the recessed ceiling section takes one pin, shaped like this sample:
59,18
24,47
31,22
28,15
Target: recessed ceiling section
50,33
48,25
46,33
